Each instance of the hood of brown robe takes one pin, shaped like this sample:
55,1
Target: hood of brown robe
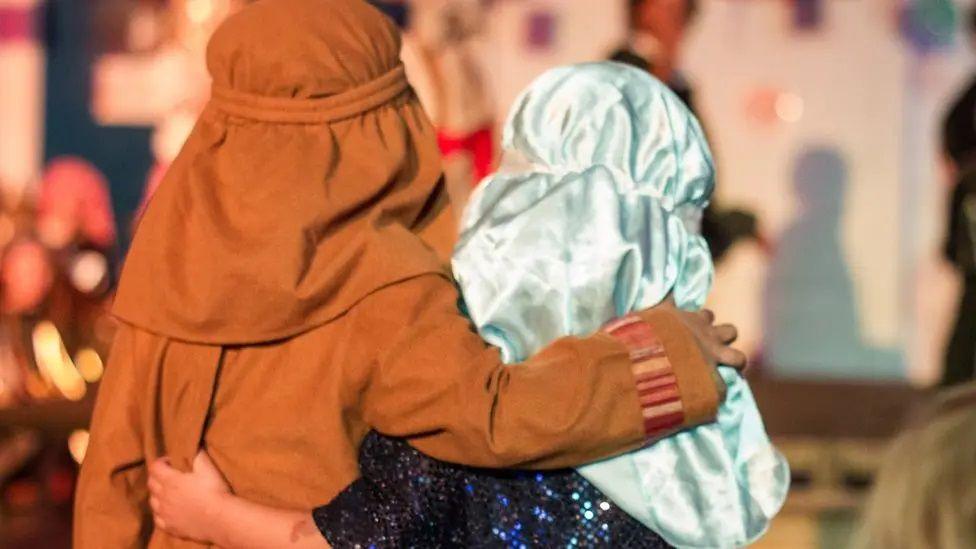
305,185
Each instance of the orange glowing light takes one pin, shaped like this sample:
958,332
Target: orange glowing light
89,365
54,362
78,445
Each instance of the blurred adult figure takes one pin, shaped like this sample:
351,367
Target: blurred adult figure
443,36
959,148
657,29
440,53
924,496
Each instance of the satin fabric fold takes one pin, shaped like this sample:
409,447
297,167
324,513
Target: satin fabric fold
593,214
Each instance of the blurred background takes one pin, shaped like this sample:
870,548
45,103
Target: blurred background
843,131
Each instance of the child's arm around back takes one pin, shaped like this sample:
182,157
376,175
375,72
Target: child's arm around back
432,379
199,506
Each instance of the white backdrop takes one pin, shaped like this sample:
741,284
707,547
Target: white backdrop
856,288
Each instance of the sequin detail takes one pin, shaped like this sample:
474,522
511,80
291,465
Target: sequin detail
406,499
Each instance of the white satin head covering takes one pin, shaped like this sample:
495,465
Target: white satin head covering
594,214
609,114
601,163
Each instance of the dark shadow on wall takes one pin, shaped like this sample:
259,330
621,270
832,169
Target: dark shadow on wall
811,323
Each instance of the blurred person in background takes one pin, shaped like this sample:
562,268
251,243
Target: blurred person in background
925,493
959,149
190,25
457,97
656,34
440,55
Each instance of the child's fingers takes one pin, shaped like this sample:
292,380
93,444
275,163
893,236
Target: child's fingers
154,504
155,487
708,315
162,469
160,523
735,358
727,333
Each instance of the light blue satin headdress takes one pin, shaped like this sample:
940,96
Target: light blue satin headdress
594,214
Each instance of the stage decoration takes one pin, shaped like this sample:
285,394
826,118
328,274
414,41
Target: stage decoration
74,203
18,23
807,14
166,86
769,106
441,55
929,25
789,107
540,30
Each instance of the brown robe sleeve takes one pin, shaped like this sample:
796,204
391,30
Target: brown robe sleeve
438,383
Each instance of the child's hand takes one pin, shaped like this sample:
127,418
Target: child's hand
183,504
714,341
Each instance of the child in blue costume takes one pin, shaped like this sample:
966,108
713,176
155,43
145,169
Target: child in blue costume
593,214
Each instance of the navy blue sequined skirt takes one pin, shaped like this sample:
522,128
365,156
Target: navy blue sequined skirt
406,499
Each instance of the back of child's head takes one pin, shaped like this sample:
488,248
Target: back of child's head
593,213
615,116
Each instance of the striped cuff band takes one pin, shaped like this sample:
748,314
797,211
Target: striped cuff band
657,387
